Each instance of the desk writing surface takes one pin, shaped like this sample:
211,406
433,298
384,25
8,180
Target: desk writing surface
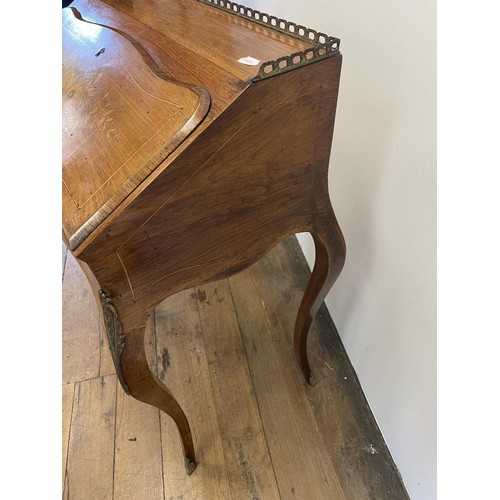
169,68
196,43
120,119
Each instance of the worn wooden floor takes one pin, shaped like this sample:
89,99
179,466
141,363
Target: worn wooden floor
225,351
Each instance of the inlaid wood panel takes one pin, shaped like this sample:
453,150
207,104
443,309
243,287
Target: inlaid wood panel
245,181
122,117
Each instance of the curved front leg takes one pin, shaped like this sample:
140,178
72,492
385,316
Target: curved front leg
146,387
330,257
132,369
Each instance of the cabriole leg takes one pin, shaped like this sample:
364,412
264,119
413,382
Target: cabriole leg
330,257
146,387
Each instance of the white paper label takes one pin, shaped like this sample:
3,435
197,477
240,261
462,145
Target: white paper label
250,61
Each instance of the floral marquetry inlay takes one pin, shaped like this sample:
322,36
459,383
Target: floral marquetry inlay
100,116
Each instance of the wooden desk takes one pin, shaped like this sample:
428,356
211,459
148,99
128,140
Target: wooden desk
183,164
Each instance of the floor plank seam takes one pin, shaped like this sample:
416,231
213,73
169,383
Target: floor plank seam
69,438
66,486
212,389
284,339
323,324
163,487
64,264
77,381
114,442
255,392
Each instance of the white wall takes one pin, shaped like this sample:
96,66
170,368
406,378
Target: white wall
383,187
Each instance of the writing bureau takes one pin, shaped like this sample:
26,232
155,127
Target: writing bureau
196,136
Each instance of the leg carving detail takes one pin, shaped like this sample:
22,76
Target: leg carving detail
116,339
330,257
146,387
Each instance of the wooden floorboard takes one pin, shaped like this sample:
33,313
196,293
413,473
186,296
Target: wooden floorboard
90,463
81,346
68,391
183,367
352,437
138,456
249,466
225,351
64,256
302,465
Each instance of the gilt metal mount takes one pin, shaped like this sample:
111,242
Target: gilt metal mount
324,45
116,339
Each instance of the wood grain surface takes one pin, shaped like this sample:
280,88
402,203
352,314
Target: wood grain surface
242,180
122,117
183,367
90,462
248,462
245,392
138,450
135,102
220,39
212,203
305,462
